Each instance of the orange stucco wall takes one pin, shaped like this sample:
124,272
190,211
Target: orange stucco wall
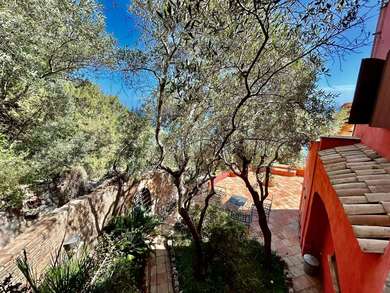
326,230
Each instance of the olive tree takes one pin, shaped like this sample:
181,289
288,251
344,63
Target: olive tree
180,109
269,55
235,81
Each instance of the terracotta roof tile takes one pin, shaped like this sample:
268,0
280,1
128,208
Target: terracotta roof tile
361,179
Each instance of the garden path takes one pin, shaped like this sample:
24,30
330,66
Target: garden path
158,269
283,222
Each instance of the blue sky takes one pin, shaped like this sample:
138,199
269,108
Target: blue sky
122,25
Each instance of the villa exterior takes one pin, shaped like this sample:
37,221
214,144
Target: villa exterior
345,204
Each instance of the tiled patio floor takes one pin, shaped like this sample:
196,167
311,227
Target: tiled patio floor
283,224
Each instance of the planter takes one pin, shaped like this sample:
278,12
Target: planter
311,264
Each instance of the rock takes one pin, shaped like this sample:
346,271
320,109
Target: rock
32,202
31,215
72,184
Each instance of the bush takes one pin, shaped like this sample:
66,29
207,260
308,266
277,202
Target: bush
131,237
235,263
124,275
65,275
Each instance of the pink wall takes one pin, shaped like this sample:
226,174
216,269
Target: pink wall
378,138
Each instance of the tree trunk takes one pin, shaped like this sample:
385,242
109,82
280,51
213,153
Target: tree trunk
206,205
267,235
263,223
199,268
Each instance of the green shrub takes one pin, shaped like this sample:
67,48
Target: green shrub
133,232
235,263
131,237
123,276
66,275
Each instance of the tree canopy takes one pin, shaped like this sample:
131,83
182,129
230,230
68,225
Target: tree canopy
52,119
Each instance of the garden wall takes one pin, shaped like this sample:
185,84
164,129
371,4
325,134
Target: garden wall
84,216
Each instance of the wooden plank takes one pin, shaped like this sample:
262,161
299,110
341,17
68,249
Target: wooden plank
351,152
349,185
363,209
352,191
353,199
374,220
371,231
377,197
361,146
327,152
373,155
373,245
359,155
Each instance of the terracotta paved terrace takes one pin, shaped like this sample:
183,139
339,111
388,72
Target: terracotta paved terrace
283,222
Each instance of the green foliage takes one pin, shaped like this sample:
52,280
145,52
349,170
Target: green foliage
83,129
13,171
132,233
44,42
65,275
123,276
130,236
242,272
235,263
51,120
68,275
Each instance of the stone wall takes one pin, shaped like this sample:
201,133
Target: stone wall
162,189
84,216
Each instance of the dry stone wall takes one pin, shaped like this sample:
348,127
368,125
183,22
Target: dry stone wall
84,217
